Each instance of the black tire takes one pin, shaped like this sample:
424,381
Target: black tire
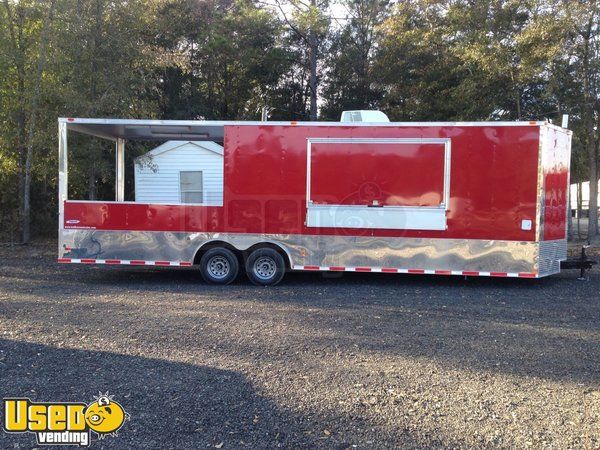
265,267
219,266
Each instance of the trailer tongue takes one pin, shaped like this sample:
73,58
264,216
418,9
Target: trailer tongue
470,199
583,263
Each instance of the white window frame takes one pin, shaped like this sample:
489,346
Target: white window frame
383,217
182,192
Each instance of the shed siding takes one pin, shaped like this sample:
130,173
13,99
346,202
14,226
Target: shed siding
162,186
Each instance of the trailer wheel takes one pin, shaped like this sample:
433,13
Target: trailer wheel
265,267
219,266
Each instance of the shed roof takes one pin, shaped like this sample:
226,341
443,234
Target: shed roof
172,145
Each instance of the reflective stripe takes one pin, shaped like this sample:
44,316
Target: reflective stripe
468,273
527,275
138,262
126,262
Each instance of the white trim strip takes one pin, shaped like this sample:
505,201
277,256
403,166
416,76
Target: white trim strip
134,262
152,122
125,262
466,273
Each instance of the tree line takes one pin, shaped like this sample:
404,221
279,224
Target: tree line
418,60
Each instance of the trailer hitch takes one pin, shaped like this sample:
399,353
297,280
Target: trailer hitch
582,263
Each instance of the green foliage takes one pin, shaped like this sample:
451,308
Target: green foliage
351,74
222,60
416,67
226,59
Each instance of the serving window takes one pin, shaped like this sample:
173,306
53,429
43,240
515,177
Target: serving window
378,183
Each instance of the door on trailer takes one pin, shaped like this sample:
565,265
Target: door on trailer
378,183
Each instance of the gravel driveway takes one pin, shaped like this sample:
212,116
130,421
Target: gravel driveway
357,361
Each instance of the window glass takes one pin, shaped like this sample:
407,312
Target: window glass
190,186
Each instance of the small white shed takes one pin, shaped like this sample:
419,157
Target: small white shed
181,172
585,195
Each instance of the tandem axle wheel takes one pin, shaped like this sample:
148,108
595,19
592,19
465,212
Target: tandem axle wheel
264,266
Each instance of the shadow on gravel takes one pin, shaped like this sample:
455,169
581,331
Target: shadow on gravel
172,405
544,328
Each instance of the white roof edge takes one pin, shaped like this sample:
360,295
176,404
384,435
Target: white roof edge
557,127
150,122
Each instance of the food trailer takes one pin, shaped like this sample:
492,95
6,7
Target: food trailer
441,198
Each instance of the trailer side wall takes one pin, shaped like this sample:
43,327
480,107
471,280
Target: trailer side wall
493,183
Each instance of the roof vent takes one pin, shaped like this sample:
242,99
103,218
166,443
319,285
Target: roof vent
370,116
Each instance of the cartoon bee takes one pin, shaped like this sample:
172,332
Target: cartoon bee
105,416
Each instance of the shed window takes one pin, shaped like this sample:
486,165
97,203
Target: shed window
190,186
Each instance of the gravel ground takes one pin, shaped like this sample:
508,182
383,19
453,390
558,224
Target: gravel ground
361,360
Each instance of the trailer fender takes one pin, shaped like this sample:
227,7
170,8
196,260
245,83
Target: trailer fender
212,244
275,246
243,252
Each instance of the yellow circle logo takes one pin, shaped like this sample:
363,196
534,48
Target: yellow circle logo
105,416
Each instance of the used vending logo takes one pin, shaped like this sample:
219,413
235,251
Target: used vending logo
64,423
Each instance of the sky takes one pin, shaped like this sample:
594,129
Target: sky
336,10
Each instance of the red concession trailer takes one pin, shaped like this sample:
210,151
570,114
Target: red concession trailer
470,199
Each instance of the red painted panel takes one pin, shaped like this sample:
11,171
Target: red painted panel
492,188
555,211
389,174
556,160
493,176
138,216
